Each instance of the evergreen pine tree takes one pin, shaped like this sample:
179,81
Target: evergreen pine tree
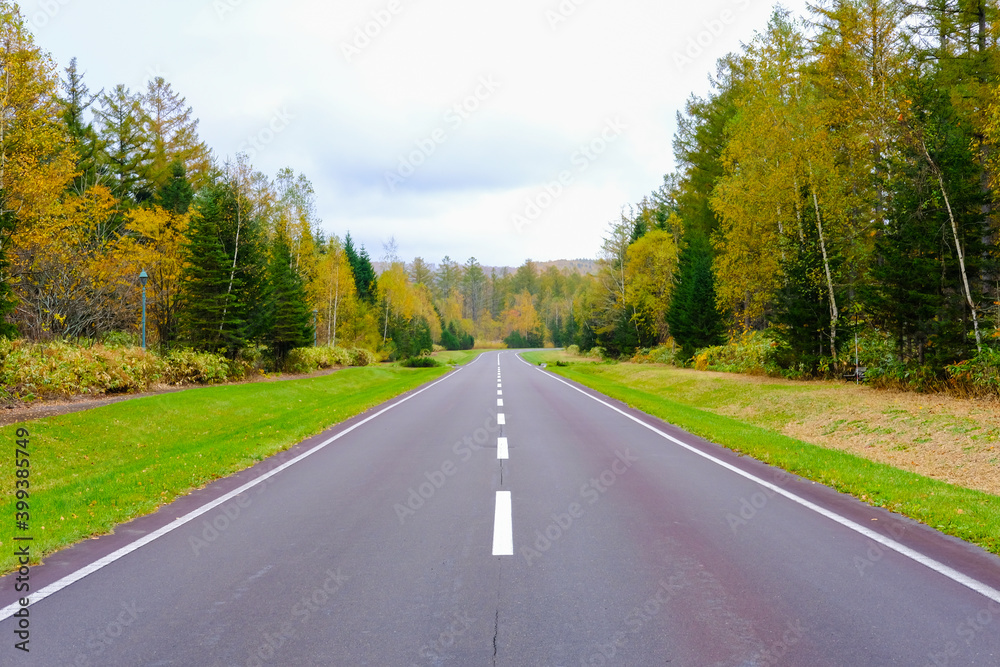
288,318
364,273
8,224
75,102
693,318
124,142
176,194
802,306
210,316
918,287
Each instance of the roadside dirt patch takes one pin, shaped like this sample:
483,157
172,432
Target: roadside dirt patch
951,439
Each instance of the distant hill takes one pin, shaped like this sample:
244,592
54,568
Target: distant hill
583,266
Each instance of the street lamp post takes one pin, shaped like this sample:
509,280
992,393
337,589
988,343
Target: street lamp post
315,328
143,278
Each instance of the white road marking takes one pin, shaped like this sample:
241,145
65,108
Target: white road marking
74,577
500,422
499,402
503,526
499,392
502,452
927,561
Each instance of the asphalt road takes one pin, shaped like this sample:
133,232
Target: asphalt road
404,537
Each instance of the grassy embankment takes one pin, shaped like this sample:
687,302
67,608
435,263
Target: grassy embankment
872,444
95,469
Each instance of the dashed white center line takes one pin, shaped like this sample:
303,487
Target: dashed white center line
502,452
499,402
501,420
503,526
499,392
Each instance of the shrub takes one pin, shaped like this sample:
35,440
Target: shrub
30,371
656,355
573,350
750,353
979,376
359,356
121,339
308,359
421,362
190,367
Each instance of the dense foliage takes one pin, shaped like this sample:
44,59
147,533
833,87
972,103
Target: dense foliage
843,171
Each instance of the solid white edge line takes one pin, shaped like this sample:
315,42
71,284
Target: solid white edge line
76,576
927,561
503,526
502,451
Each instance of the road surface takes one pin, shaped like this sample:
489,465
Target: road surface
504,516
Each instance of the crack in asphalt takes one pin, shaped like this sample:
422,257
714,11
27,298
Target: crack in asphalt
496,618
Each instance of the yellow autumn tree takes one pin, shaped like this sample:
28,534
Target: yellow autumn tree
396,296
651,263
72,281
334,292
522,317
156,240
35,163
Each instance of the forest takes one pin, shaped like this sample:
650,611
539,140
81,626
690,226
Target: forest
832,204
831,207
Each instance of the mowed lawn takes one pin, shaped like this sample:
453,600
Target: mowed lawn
92,470
932,458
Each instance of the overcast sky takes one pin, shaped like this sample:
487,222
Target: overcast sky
437,122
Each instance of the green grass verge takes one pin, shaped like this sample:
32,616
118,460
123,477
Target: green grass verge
95,469
971,515
457,357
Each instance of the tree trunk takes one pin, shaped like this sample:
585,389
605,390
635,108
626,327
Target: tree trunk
958,246
834,312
